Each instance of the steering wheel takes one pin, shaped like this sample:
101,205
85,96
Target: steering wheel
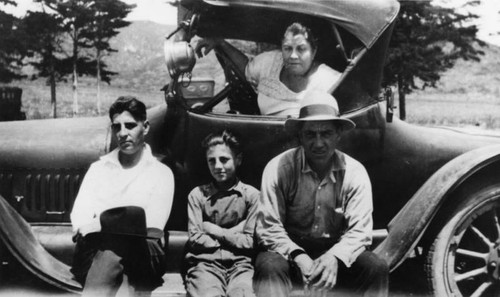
241,97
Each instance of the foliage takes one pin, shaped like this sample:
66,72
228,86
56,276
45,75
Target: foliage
427,41
107,17
75,17
11,48
88,25
44,39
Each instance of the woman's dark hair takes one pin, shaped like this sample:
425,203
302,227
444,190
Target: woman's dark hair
225,137
131,104
298,28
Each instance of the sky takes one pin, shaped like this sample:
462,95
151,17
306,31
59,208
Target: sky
160,11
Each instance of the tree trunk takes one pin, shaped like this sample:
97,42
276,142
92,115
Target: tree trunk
98,102
53,101
74,88
402,99
75,73
53,95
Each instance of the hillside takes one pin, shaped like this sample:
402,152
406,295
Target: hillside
139,60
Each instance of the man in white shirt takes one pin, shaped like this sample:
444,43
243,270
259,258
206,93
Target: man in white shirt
129,176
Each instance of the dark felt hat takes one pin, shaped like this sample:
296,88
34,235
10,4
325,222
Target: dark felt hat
125,220
318,106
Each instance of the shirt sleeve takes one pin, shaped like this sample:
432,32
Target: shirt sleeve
326,78
198,239
358,208
258,67
83,212
162,199
270,230
244,240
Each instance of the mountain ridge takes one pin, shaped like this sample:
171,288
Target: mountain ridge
139,61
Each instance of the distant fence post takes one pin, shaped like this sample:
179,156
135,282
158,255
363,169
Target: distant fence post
10,104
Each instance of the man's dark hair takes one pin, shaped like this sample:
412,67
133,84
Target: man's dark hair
298,28
131,104
225,137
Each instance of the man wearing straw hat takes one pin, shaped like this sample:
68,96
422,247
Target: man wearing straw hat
316,212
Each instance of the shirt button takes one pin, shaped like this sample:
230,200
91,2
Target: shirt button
319,188
315,226
318,207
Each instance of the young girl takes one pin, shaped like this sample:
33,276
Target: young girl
221,225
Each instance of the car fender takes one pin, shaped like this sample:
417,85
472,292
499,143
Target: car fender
17,236
408,226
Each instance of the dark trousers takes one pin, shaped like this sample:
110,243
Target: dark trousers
276,276
101,261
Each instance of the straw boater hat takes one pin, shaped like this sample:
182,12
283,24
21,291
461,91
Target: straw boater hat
318,106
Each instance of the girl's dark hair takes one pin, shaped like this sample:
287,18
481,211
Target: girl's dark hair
225,137
131,104
298,28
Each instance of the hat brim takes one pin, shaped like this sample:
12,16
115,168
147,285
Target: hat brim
152,233
292,125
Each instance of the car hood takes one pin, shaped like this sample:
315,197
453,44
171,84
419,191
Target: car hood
53,143
365,19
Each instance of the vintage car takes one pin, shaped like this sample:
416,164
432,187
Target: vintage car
436,191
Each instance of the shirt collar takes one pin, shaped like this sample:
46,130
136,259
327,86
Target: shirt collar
338,163
112,157
211,190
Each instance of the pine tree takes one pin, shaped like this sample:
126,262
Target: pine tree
108,17
44,36
11,46
427,40
76,17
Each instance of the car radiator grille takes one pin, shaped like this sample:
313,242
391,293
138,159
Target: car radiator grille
41,195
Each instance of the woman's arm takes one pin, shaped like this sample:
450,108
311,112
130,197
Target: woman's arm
239,58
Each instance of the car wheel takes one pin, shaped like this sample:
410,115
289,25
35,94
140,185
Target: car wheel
464,259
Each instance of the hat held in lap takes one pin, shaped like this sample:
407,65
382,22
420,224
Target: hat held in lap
318,106
125,220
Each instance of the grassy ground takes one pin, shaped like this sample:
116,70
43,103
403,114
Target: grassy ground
458,110
36,98
467,95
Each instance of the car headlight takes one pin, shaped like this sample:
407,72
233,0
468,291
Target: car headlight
179,57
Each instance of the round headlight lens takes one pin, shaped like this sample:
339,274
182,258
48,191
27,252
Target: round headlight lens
179,57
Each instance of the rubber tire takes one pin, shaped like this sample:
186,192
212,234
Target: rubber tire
439,272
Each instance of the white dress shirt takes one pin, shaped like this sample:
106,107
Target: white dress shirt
149,184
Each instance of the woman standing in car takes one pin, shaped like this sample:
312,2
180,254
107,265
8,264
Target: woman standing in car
282,77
